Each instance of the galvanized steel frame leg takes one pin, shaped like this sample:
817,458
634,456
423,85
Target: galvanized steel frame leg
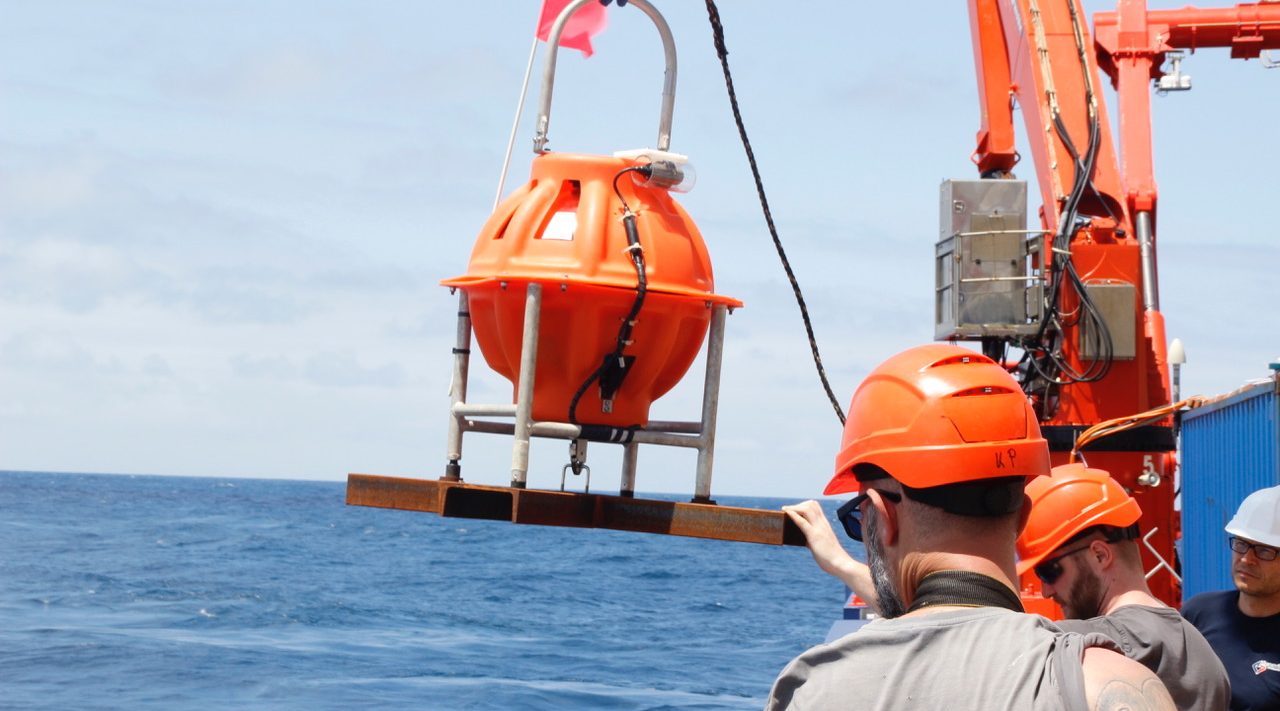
458,387
630,453
524,391
710,405
523,427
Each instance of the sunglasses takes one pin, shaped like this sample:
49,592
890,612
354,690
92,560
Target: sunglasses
1050,570
1241,546
850,512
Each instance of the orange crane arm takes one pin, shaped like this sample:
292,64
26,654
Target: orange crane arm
1098,214
1046,64
995,155
1132,44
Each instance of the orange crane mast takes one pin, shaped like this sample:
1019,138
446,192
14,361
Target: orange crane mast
1099,351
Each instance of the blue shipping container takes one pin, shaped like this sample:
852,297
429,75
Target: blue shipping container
1230,449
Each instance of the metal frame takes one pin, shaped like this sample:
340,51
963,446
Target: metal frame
543,123
463,416
451,497
1161,563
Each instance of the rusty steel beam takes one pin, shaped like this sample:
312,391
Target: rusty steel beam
560,508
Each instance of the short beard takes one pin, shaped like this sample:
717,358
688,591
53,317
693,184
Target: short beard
1084,600
888,600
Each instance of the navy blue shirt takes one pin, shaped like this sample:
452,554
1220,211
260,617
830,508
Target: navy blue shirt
1249,648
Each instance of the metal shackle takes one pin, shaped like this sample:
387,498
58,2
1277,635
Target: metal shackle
549,72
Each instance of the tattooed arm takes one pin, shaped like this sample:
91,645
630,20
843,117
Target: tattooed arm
1113,682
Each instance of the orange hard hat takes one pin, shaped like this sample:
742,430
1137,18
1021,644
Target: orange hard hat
936,415
1069,500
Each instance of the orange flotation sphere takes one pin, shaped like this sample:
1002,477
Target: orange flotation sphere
563,230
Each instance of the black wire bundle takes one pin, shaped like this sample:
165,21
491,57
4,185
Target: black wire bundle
615,358
1043,355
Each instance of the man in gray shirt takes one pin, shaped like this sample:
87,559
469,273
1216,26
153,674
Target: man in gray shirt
939,442
1078,533
1081,541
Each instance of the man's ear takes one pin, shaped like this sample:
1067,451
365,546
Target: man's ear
1024,514
1103,554
888,513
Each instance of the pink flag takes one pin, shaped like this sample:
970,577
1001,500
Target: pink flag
589,20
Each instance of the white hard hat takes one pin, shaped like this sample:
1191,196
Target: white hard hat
1258,517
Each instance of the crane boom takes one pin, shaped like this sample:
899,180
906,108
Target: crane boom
1099,350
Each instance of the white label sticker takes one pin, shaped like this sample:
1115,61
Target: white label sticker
561,226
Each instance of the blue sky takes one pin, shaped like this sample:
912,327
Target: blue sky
222,224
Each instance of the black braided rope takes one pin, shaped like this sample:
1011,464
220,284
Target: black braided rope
717,31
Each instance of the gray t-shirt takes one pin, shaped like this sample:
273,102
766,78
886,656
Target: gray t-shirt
973,659
1159,639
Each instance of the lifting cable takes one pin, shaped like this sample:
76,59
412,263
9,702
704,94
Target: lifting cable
717,31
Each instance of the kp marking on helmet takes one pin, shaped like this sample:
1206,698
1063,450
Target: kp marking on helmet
939,414
1011,453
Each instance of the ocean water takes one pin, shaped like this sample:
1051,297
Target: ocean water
150,592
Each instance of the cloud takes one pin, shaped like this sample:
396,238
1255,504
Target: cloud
345,371
43,353
264,367
286,73
260,303
73,275
156,366
91,225
325,369
49,187
79,276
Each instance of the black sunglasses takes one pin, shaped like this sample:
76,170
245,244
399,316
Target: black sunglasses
850,512
1050,570
1241,546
